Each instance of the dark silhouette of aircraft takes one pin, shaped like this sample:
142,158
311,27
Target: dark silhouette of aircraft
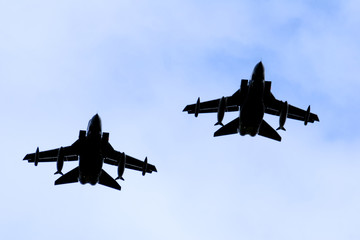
253,99
92,149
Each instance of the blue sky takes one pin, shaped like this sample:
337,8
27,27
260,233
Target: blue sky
137,64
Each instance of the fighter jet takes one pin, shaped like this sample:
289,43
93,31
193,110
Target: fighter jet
252,100
92,149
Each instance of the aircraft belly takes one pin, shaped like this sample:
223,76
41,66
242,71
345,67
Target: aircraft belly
90,166
251,116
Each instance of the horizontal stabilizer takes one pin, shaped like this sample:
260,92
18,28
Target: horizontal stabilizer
267,131
230,128
70,177
107,180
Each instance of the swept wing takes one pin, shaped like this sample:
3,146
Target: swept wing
113,157
70,154
232,105
274,106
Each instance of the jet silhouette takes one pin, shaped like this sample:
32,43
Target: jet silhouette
92,149
252,100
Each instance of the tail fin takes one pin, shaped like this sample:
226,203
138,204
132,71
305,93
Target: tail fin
107,180
70,177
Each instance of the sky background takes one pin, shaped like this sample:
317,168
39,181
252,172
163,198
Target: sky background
137,64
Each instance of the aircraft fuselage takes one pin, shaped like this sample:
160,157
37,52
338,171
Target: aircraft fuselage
90,157
252,110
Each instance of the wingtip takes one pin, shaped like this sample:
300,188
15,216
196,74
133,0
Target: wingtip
186,108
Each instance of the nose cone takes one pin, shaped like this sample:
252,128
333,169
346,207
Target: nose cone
259,72
258,68
96,118
94,126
